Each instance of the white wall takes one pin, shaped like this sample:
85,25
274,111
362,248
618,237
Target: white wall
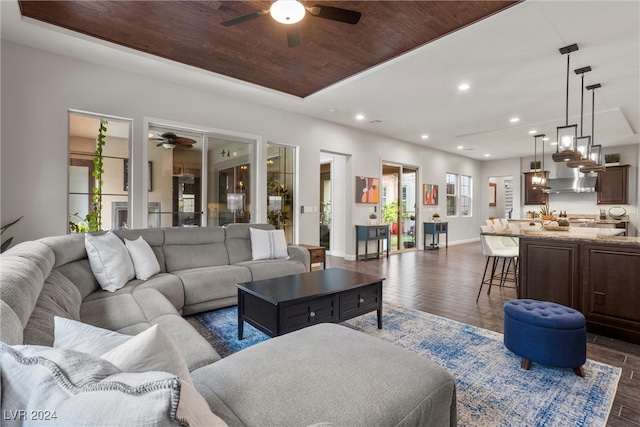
39,87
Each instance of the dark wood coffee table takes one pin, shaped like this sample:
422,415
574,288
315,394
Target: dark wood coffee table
285,304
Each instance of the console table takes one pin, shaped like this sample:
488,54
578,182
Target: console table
366,233
435,229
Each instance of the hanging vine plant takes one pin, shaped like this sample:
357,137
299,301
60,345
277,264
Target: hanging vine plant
93,220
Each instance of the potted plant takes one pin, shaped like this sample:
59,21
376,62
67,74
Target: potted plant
6,243
545,213
93,220
372,218
435,217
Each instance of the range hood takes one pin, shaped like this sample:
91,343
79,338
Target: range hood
569,180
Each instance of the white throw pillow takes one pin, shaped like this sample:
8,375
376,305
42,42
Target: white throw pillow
268,244
144,260
109,259
151,350
72,335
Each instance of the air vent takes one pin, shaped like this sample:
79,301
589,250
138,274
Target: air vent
375,121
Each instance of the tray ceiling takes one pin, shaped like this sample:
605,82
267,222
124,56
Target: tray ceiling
256,51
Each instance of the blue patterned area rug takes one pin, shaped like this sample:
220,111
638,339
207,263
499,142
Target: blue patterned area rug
492,390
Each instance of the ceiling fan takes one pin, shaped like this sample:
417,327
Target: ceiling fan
290,12
170,141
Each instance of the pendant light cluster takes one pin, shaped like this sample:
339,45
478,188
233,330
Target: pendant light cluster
578,152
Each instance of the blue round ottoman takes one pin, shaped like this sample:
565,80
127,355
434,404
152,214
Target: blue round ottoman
545,332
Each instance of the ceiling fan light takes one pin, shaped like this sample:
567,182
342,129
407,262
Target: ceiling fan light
287,11
168,146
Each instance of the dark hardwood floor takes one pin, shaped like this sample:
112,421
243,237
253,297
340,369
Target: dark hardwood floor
446,282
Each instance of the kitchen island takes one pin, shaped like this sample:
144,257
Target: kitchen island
589,270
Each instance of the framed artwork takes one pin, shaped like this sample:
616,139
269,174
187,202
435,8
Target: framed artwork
492,193
429,194
367,190
178,169
126,175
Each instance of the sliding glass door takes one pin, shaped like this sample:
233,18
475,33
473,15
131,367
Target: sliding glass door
399,187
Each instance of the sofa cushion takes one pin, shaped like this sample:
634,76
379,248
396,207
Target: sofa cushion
330,373
187,248
79,389
167,284
131,313
36,251
80,274
268,244
268,269
238,240
59,297
20,284
145,263
66,248
210,283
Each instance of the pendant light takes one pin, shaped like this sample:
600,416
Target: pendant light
539,178
566,149
583,143
595,151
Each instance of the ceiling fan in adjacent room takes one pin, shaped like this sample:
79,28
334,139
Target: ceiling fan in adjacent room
170,140
290,12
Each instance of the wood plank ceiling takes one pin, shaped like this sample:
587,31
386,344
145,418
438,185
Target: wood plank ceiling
256,51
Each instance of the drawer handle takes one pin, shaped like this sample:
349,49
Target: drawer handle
312,314
361,300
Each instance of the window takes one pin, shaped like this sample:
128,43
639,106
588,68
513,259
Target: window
465,195
281,174
452,194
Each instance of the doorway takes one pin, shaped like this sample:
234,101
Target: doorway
501,197
325,205
399,194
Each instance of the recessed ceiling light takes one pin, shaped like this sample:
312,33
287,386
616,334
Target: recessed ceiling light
464,86
554,143
460,147
487,155
515,120
531,132
546,138
425,136
360,117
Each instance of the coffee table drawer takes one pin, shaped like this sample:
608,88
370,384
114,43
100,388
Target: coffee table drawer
298,316
360,301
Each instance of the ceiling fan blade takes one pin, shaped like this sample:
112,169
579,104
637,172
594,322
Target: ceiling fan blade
293,35
243,18
335,14
184,141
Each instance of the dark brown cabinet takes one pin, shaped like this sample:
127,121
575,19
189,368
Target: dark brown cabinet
598,279
613,185
611,297
533,194
550,271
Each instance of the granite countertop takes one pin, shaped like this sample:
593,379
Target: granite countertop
609,220
575,234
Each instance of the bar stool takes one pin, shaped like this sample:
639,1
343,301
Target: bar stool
496,249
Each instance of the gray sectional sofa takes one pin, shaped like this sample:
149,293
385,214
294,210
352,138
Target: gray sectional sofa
321,374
